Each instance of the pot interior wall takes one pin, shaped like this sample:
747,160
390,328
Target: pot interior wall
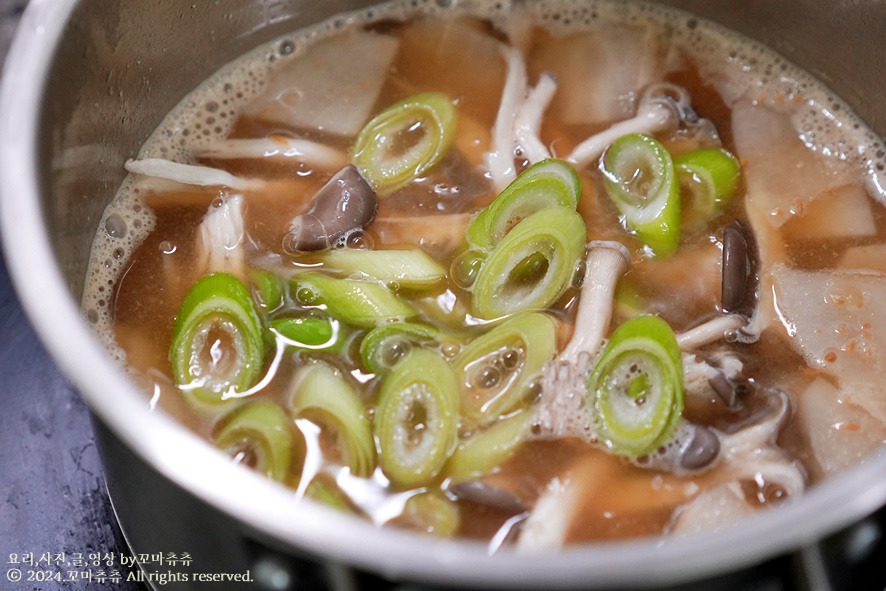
119,68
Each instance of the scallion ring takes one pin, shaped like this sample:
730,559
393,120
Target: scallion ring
496,370
411,269
532,266
416,419
267,289
431,513
636,388
488,449
323,489
708,179
385,345
549,183
259,435
405,140
321,394
217,344
640,180
358,303
310,333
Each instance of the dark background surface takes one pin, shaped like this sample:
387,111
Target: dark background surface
52,493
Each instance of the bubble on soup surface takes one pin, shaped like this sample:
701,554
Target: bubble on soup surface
115,226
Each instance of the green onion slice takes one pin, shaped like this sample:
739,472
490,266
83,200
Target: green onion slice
405,140
259,435
497,370
385,345
640,180
466,267
532,266
358,303
549,183
410,269
321,394
488,449
324,489
311,333
416,420
628,301
636,388
217,343
432,513
708,179
267,289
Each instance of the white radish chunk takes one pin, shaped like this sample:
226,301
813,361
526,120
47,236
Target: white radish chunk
603,72
836,321
331,88
840,433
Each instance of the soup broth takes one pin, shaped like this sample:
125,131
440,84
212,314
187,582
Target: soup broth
488,410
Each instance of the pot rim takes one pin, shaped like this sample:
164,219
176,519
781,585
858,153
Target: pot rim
209,475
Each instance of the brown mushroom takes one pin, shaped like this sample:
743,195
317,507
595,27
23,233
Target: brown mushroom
345,204
739,269
490,495
700,450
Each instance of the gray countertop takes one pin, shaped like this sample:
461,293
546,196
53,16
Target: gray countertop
53,499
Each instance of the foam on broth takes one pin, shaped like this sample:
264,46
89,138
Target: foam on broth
141,264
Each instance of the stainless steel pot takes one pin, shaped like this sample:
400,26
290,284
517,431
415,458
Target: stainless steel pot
84,85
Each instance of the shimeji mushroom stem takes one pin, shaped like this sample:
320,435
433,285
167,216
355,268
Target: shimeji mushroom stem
221,236
191,174
528,121
662,106
500,161
605,264
276,147
710,332
564,379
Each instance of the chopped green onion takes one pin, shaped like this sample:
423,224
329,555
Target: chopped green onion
640,180
217,343
466,267
258,434
497,370
267,288
324,489
431,513
488,449
628,301
532,266
549,183
359,303
416,420
708,179
405,140
636,388
410,269
308,332
385,345
321,394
